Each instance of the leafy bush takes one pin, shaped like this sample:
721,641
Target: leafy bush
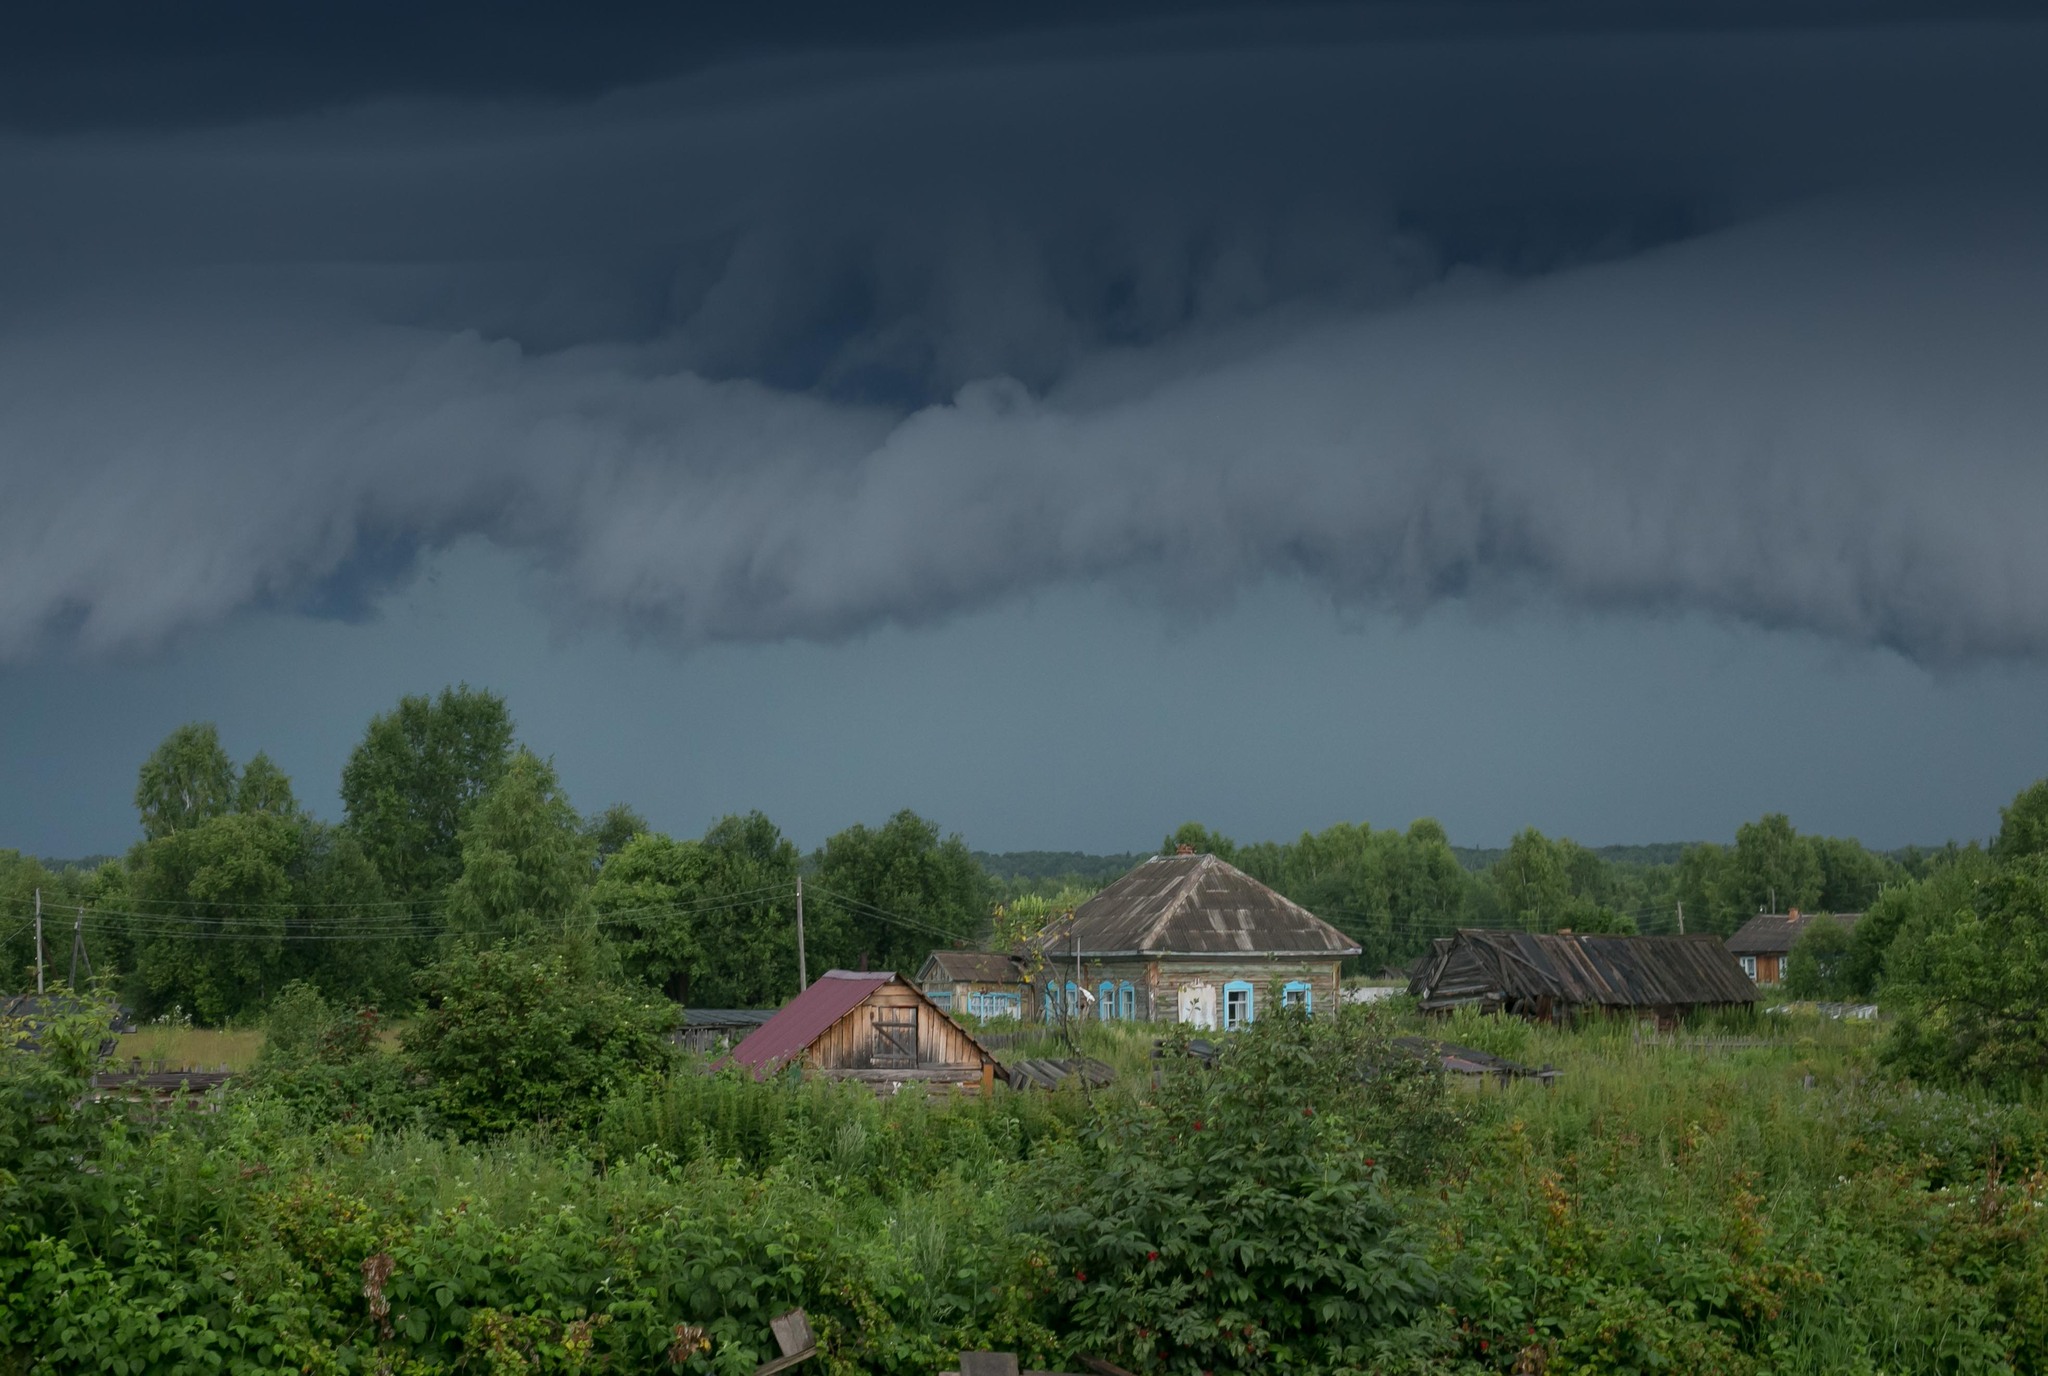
529,1034
330,1067
1242,1218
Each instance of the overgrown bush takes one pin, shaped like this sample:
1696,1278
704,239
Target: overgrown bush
530,1034
1242,1218
330,1067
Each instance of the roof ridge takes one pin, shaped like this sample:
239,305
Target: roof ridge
1171,908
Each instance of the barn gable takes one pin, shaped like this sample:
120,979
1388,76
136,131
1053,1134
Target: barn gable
868,1026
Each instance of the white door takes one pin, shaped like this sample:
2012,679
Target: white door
1198,1006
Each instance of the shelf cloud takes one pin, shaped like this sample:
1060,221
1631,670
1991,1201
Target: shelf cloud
1751,324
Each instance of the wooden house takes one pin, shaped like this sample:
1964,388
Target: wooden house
982,984
1560,976
1761,944
1186,938
871,1027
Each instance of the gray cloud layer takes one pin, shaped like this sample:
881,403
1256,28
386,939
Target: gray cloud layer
1752,324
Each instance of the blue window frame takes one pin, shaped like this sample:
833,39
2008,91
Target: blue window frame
1073,1000
1298,994
1047,1010
1105,1001
1126,1001
1237,1004
942,997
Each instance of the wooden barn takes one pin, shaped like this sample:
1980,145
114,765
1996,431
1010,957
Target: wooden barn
1556,977
983,984
1187,938
871,1027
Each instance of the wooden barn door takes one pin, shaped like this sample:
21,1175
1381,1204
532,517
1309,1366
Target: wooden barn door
895,1038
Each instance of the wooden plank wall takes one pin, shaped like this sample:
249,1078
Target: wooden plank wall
1158,982
849,1044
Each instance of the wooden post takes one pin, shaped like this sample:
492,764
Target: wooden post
39,941
803,974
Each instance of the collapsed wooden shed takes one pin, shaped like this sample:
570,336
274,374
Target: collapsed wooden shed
870,1027
1557,976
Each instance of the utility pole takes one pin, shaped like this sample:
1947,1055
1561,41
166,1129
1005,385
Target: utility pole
1681,917
78,951
39,941
803,973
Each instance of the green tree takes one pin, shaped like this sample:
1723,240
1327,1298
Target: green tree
1850,876
612,829
266,788
1819,965
1949,885
409,784
888,895
20,877
215,902
1534,882
186,780
711,923
1772,868
1201,841
1701,887
1972,983
526,863
2023,824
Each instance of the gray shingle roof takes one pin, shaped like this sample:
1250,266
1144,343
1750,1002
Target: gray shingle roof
1193,905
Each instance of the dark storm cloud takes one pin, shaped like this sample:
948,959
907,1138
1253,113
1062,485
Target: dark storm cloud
1745,322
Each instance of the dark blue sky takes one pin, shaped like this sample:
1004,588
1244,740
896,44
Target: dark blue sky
1508,413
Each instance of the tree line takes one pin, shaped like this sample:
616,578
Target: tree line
454,834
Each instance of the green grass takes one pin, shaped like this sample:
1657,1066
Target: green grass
191,1048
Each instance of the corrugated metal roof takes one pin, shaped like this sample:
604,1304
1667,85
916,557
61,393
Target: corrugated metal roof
1584,970
990,967
1193,905
1775,933
805,1018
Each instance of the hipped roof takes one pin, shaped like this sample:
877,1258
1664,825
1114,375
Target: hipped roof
1585,969
1192,905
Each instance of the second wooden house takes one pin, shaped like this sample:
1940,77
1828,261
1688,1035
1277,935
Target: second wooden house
1186,938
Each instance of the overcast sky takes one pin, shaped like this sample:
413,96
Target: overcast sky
1511,413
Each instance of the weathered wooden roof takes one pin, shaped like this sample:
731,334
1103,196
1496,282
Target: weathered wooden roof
1192,905
1584,970
1769,934
987,967
726,1017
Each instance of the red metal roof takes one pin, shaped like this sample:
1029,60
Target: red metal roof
805,1018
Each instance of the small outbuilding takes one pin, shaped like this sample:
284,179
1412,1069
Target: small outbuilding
1559,976
871,1027
1761,944
982,984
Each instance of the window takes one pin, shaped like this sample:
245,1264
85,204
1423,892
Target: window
1748,966
1237,1005
1105,1001
1297,994
1073,1000
1006,1006
1047,1010
1126,1001
942,997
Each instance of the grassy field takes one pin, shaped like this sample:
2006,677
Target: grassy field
191,1048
